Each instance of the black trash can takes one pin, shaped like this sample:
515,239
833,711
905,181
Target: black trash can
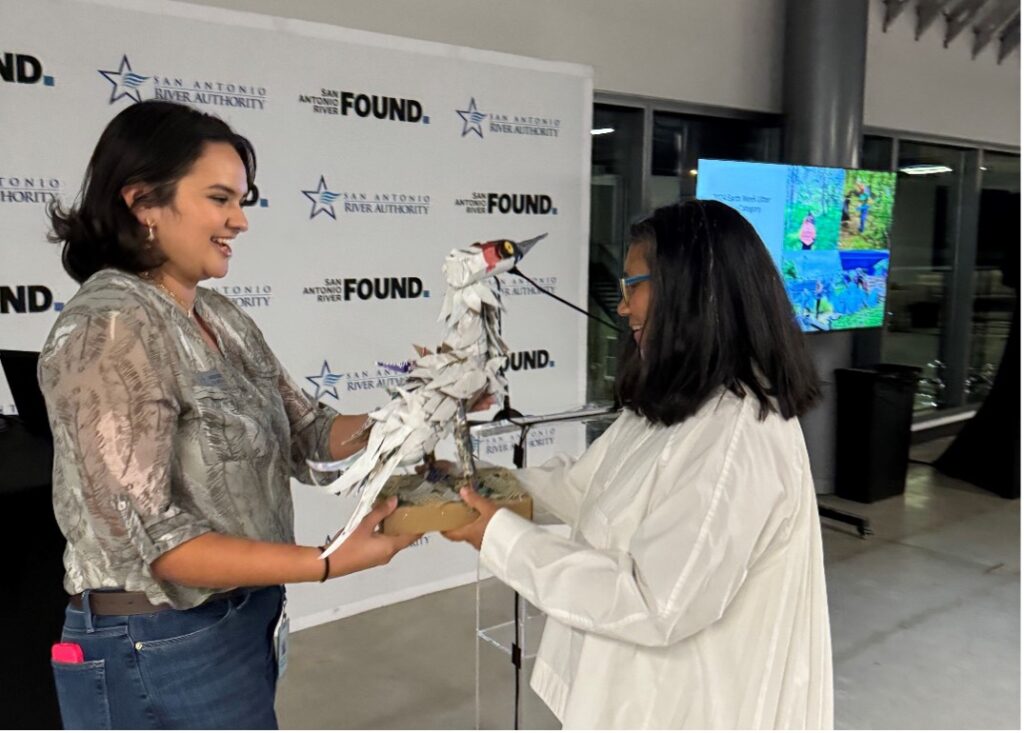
874,409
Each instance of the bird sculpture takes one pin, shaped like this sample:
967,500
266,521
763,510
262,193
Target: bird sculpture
432,403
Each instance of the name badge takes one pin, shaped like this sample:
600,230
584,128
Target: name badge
211,378
281,640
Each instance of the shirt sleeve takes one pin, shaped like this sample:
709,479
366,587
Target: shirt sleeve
310,428
309,421
560,483
111,396
684,564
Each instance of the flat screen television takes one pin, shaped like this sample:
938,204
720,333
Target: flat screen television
827,229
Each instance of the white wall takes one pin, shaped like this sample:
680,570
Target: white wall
721,52
716,52
921,86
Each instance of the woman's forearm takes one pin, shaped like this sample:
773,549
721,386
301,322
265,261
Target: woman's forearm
215,560
343,429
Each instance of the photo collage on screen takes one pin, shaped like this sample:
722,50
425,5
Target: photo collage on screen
832,248
835,256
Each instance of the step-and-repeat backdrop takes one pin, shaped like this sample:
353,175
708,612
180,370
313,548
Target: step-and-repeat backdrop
377,155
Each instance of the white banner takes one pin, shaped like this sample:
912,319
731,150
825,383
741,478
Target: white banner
377,155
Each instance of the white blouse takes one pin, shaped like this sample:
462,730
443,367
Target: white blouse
691,591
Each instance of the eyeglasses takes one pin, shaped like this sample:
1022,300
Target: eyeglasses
626,285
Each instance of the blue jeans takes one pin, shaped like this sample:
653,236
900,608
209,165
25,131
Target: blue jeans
208,667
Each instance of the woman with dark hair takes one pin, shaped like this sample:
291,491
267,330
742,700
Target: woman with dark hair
691,590
176,431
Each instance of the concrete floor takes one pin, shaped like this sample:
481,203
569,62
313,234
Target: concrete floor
925,630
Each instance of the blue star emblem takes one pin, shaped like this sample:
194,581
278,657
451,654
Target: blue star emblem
323,200
326,382
471,119
126,82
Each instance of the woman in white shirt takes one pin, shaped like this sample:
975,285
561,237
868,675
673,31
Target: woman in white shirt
691,591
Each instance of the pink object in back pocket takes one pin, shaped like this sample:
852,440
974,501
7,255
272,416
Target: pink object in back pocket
67,653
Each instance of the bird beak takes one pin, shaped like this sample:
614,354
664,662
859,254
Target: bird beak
523,248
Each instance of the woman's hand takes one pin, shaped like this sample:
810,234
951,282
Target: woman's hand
366,547
473,533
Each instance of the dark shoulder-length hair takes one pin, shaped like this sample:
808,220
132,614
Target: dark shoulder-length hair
718,316
154,143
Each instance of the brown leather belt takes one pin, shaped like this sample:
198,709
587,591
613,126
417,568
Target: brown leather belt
130,603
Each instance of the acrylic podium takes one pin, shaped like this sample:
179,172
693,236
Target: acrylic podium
508,629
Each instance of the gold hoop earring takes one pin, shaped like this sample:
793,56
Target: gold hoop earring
150,236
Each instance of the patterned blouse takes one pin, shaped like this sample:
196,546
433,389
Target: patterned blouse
159,439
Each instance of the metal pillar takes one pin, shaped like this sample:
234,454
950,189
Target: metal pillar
823,101
823,85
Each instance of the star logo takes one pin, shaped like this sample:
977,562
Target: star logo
471,119
323,200
326,382
126,82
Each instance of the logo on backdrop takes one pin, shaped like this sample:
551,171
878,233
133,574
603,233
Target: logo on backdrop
28,189
377,377
345,289
358,104
472,119
474,203
246,296
513,285
22,68
127,83
477,122
521,361
325,200
326,382
27,299
497,445
506,203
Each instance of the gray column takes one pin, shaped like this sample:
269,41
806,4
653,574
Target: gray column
823,101
823,82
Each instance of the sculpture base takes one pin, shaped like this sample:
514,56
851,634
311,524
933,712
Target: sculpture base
446,515
431,503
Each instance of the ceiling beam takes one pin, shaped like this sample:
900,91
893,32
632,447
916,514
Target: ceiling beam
893,8
1009,39
992,23
959,17
927,12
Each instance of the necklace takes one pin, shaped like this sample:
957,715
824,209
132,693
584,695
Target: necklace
189,309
